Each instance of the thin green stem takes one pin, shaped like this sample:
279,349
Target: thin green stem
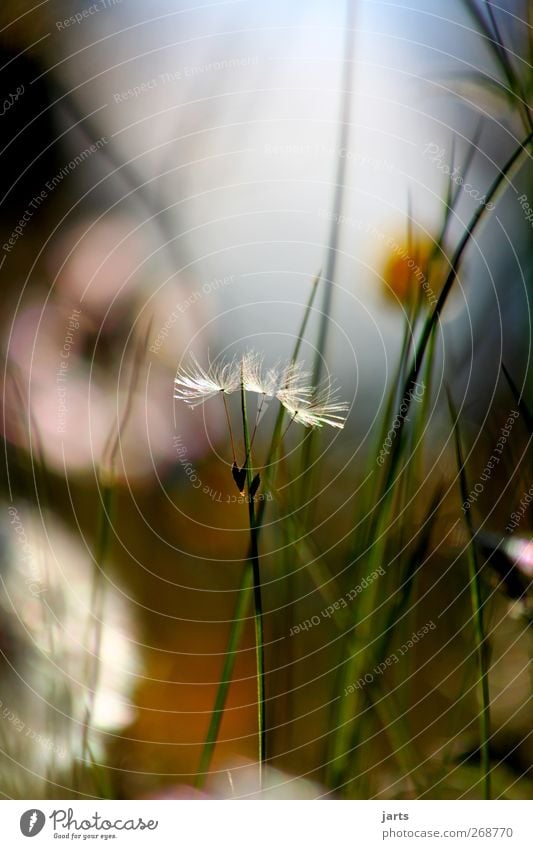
284,434
477,613
257,417
479,628
258,601
229,427
235,635
340,177
244,592
345,112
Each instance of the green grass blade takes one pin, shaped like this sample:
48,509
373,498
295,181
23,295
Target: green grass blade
477,612
234,639
432,319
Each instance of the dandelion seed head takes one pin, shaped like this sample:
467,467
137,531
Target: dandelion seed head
287,382
253,378
287,377
194,384
320,409
294,389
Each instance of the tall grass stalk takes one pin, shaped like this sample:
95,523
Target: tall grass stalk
338,196
434,316
368,642
514,89
258,600
230,656
376,529
245,587
477,612
345,112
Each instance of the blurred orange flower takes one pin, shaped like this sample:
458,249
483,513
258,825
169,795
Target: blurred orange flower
412,270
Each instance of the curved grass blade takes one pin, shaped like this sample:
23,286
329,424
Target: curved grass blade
432,319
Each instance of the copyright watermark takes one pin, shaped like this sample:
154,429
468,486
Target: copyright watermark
437,155
492,462
185,73
391,660
339,604
34,578
206,289
88,12
414,395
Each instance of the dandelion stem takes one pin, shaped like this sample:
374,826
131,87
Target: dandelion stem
257,417
243,595
258,601
284,434
229,427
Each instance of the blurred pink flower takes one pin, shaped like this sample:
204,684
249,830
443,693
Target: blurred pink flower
70,360
94,261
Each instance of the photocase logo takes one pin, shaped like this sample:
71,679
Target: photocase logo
32,822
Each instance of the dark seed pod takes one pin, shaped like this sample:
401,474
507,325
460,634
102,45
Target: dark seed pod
254,486
239,476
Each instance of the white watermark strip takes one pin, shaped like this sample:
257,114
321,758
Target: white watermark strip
232,825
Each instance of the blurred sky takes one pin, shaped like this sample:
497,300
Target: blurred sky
244,152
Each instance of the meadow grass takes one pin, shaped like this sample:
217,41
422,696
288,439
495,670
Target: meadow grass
390,530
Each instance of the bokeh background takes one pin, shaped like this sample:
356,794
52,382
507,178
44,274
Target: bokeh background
173,179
